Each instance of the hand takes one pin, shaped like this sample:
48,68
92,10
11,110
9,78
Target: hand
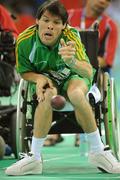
102,62
67,51
41,85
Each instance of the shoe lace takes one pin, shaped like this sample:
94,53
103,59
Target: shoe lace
25,155
111,156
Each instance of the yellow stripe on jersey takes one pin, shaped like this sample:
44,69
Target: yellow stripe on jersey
25,33
73,39
23,37
79,46
31,28
16,53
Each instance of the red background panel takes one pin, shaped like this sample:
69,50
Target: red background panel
73,4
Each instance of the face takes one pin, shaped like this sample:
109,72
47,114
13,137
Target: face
49,28
98,6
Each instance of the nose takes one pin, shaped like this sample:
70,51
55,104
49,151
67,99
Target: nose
50,27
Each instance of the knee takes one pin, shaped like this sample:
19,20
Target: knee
50,93
76,96
46,103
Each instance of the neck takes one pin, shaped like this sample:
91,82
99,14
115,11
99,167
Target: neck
90,13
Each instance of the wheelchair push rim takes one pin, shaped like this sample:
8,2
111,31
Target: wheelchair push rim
110,116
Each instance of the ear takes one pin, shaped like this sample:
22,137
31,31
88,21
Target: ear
37,21
64,25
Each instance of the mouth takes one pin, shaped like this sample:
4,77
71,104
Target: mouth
48,34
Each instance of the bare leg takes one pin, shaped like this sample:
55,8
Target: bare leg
42,123
77,94
43,115
83,110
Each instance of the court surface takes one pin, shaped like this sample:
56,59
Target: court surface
62,161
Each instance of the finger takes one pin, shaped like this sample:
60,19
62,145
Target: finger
68,52
40,88
51,85
40,98
62,42
67,57
67,48
71,43
71,53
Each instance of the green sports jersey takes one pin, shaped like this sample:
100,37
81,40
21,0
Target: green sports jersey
32,55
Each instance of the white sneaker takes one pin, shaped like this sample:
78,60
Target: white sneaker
27,165
105,161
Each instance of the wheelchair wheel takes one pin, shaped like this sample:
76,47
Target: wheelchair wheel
2,147
21,138
111,122
13,133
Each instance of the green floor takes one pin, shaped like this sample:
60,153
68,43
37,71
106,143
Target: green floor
62,161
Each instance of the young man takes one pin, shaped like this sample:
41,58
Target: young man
52,44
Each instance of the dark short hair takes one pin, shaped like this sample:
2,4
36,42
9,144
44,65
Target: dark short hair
55,7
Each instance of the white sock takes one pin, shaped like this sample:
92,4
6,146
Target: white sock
83,137
95,142
37,144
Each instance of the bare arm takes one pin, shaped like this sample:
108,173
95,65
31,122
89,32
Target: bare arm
82,67
40,80
33,77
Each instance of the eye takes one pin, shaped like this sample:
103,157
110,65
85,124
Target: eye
57,22
45,20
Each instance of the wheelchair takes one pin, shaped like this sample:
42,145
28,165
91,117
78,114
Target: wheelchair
64,120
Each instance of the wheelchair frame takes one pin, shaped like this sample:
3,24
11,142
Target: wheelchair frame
105,110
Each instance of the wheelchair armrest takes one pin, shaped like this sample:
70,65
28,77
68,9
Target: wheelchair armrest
94,95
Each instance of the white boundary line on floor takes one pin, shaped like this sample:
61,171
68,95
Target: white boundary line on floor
68,177
52,159
60,158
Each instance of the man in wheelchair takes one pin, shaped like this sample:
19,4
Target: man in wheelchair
53,45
